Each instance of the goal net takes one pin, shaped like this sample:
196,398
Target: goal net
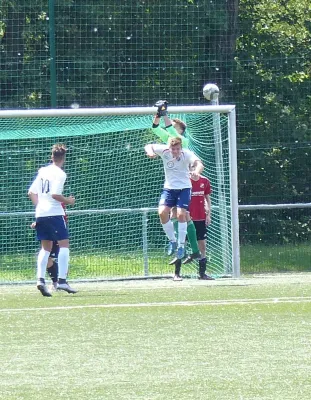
114,227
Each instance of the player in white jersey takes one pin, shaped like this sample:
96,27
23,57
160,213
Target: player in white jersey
177,187
46,193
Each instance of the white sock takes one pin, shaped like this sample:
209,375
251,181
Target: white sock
42,262
63,262
182,232
169,230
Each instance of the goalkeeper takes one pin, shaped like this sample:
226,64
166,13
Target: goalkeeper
175,128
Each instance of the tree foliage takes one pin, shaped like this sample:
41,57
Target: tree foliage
108,54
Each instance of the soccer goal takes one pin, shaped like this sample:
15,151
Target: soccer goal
114,227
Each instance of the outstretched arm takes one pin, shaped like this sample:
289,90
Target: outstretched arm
162,134
157,130
149,151
162,112
167,121
169,131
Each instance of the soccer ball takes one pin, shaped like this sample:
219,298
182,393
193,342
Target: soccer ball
211,91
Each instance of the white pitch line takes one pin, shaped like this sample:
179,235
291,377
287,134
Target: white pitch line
169,304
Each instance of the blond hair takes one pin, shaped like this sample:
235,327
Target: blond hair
174,141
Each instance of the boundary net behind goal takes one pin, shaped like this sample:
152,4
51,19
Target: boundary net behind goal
114,226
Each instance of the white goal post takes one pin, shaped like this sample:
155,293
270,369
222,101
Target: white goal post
26,130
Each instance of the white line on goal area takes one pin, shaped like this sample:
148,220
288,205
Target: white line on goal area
280,300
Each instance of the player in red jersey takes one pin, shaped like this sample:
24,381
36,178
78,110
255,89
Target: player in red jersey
200,213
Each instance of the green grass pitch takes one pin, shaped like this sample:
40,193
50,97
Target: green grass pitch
243,339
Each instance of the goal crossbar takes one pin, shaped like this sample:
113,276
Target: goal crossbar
79,112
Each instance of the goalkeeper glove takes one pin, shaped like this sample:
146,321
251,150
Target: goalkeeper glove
162,107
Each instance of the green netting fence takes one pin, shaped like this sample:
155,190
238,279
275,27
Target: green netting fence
74,53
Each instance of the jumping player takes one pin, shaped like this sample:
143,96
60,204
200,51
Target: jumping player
177,187
174,128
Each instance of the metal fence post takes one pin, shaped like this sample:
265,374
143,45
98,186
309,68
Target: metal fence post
53,84
145,242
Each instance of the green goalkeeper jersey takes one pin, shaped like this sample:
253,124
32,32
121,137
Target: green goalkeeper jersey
169,132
